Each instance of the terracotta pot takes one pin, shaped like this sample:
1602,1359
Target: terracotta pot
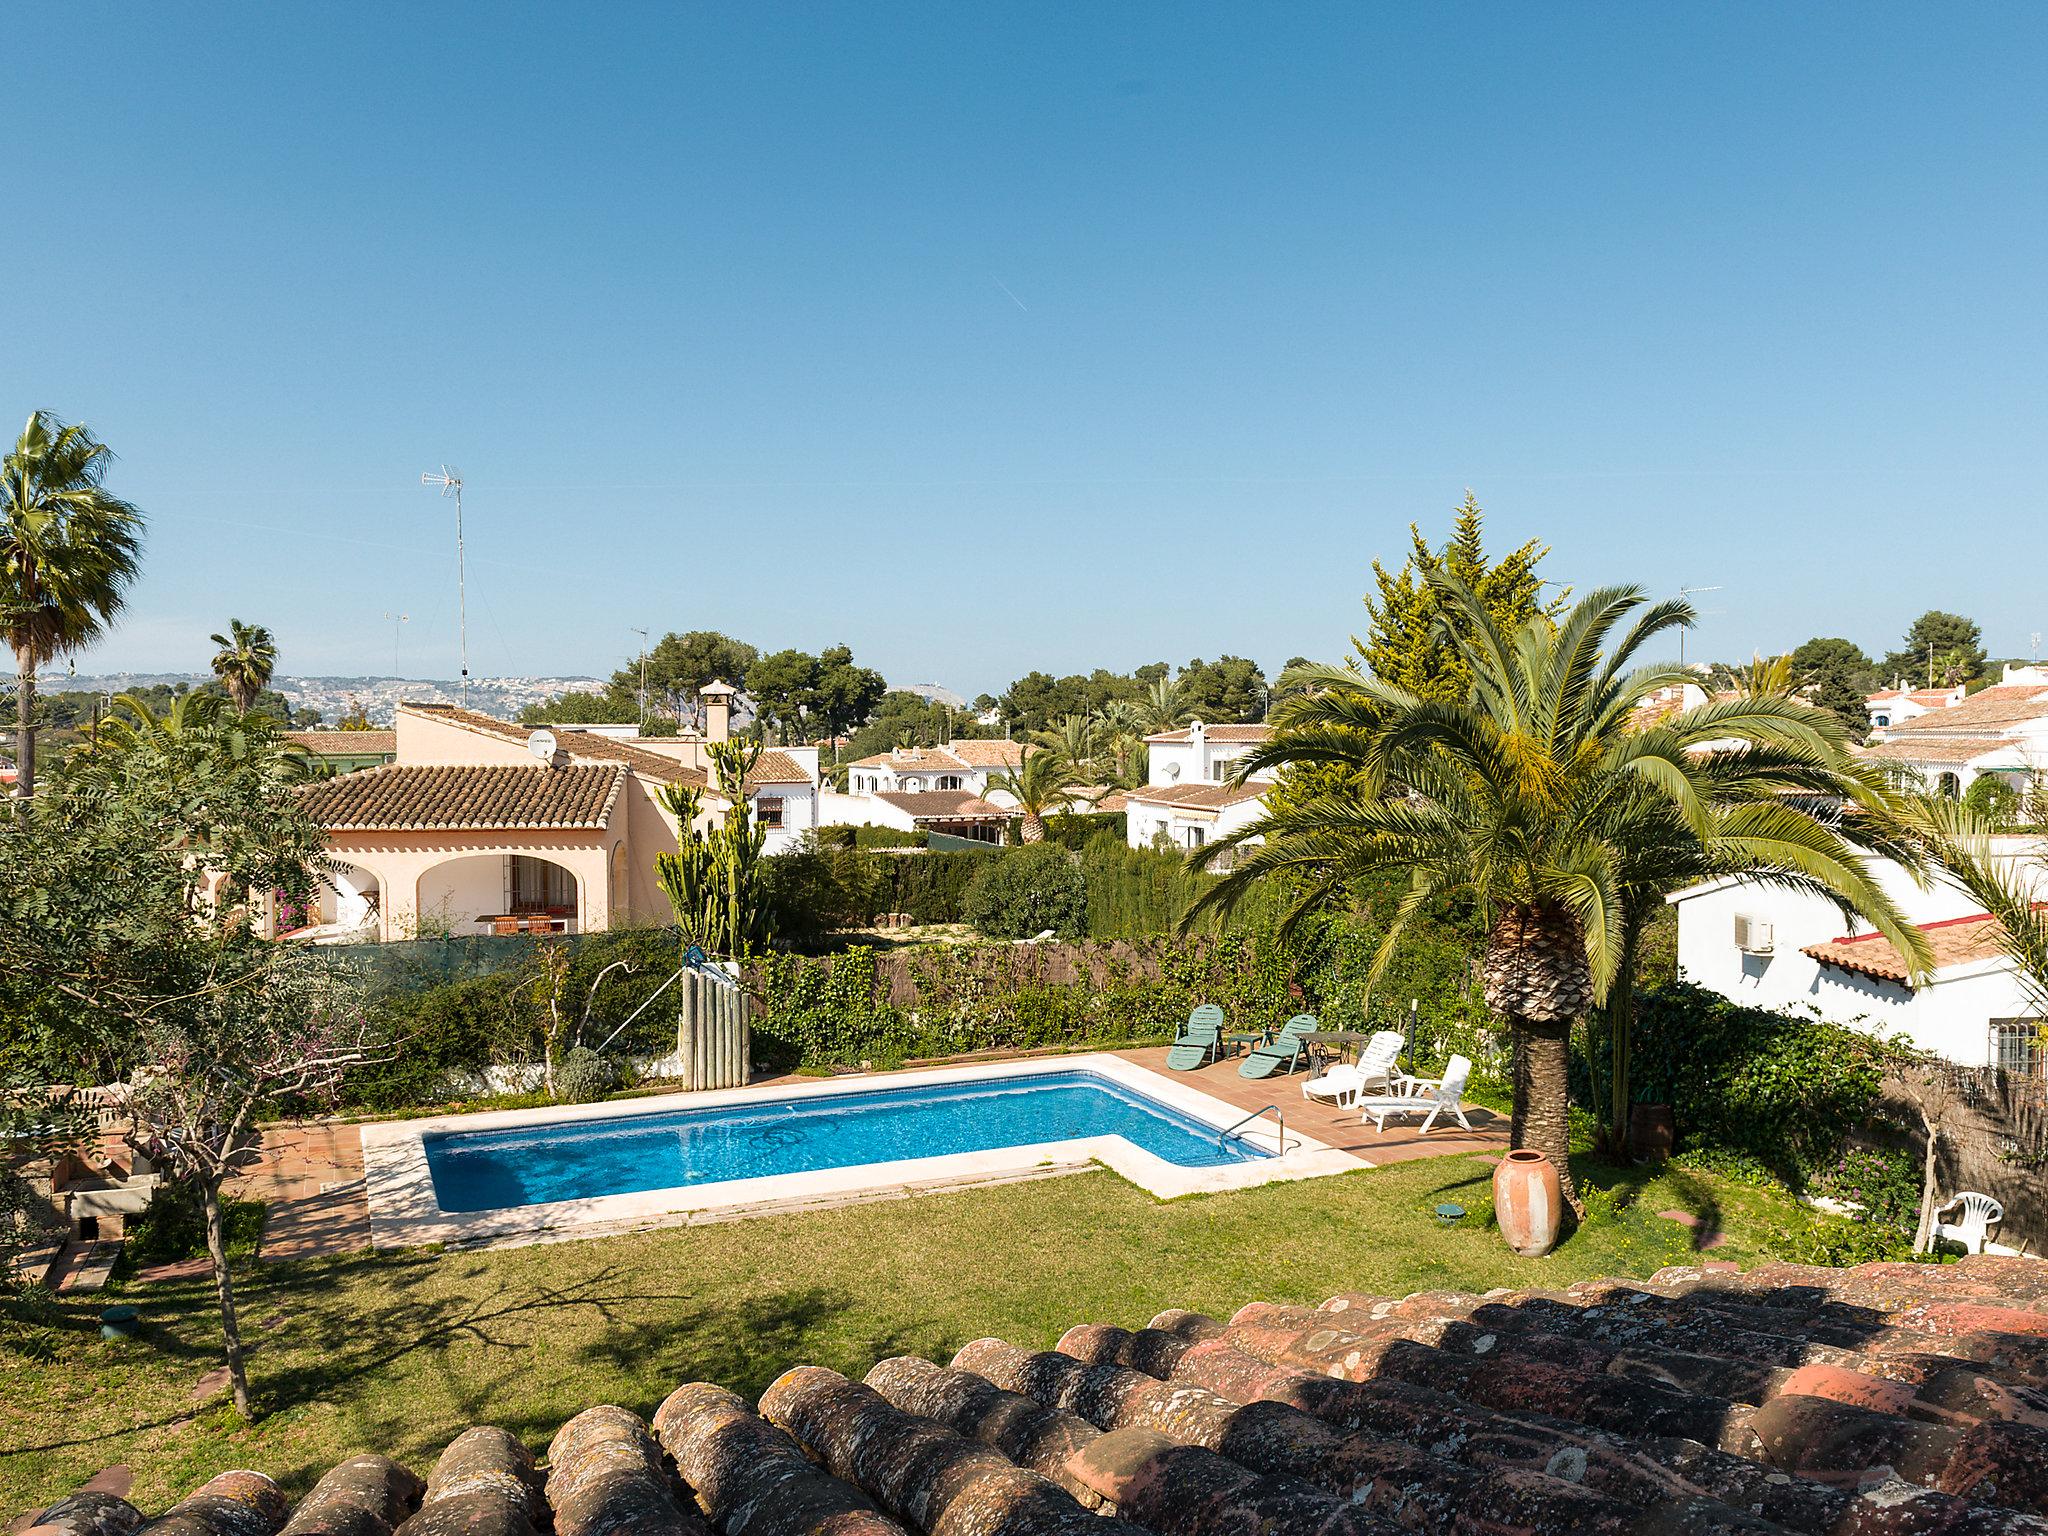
1652,1131
1526,1202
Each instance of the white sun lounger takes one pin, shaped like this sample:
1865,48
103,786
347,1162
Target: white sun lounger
1343,1083
1422,1096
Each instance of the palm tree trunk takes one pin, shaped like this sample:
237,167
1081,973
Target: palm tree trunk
24,727
1621,1019
1542,1117
230,1324
1033,829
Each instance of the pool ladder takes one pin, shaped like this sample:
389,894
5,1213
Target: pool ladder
1270,1109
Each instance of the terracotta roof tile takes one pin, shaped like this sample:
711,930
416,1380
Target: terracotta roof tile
954,754
344,743
582,746
433,797
1955,941
989,752
1252,733
777,768
1198,797
1885,1400
2002,704
1951,749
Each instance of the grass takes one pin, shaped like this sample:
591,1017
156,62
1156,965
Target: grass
399,1352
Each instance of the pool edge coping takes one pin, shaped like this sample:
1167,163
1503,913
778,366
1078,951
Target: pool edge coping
404,1213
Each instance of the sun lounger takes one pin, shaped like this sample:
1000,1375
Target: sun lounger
1200,1043
1345,1081
1284,1051
1422,1096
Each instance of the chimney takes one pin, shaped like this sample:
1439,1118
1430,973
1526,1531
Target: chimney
717,700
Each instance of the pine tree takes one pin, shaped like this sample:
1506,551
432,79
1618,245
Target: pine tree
1405,646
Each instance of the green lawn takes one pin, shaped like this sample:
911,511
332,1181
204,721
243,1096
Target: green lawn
398,1353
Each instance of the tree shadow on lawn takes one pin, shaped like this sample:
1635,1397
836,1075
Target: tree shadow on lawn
331,1324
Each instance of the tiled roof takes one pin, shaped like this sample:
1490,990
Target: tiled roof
344,743
954,754
1216,733
989,752
436,797
1955,941
582,746
2003,704
777,768
943,805
1198,797
1951,749
1885,1400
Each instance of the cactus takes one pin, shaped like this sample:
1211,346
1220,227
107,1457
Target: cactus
712,879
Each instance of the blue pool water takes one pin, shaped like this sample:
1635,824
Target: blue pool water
575,1160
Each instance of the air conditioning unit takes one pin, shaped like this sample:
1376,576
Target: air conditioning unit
1752,935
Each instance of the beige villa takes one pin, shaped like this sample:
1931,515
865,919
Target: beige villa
481,826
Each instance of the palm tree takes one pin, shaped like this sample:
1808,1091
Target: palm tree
1076,741
2011,889
68,550
1040,784
244,662
1543,796
1163,706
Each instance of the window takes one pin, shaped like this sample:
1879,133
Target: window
1948,786
1880,720
768,813
2018,1047
950,781
1195,836
1219,768
539,886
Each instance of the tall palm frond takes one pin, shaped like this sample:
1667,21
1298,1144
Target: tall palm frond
244,660
69,549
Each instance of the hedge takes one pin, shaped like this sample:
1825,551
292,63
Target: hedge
1750,1087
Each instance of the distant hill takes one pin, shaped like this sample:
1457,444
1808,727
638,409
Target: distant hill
333,696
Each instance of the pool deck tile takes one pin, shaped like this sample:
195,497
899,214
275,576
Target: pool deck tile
1345,1129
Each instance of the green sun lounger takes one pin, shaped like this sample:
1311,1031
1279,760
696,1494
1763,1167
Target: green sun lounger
1200,1042
1284,1051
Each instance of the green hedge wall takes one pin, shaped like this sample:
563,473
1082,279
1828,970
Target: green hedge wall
1748,1087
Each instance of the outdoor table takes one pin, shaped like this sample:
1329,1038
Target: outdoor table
1246,1037
1347,1040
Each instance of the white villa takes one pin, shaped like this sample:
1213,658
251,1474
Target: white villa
1772,948
1187,800
958,765
1892,706
2000,730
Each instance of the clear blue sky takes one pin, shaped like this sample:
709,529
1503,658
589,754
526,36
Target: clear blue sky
987,337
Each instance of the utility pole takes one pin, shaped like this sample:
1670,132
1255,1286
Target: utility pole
641,728
396,620
450,481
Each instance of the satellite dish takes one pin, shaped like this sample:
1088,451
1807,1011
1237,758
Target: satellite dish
542,744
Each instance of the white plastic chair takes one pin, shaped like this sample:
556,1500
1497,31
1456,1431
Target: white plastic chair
1980,1214
1344,1082
1437,1096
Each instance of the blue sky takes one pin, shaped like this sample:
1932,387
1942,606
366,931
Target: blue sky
992,337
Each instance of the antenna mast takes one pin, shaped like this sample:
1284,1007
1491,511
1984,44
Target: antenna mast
450,481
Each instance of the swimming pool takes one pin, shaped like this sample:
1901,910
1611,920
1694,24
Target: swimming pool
574,1170
685,1149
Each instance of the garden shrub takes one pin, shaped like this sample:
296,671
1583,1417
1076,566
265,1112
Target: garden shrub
1749,1085
584,1075
1032,891
172,1226
1077,829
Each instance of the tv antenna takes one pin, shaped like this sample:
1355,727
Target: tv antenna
641,728
1683,594
450,481
396,620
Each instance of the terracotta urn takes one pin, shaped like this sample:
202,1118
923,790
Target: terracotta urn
1526,1202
